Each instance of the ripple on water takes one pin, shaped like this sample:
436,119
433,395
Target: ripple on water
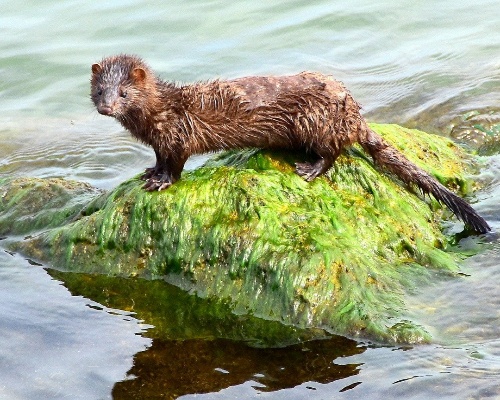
55,345
72,150
100,153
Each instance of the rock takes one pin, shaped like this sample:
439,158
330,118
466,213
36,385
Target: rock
339,253
29,204
480,130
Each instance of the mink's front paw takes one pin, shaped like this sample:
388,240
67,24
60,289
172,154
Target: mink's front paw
149,173
158,183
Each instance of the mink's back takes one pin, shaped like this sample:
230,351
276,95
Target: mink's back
303,111
255,92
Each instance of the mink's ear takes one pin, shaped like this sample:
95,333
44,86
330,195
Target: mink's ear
138,75
96,69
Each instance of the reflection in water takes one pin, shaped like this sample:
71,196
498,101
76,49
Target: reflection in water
175,368
177,315
178,362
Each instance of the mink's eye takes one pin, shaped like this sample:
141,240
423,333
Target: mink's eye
123,93
99,92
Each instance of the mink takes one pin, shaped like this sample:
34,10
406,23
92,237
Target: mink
308,111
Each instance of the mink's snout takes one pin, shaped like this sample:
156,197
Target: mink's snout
105,109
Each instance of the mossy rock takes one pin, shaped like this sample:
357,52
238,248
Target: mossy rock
338,253
29,204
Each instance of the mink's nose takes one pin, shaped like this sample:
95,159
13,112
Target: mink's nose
104,109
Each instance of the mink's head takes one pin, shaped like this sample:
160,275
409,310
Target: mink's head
118,85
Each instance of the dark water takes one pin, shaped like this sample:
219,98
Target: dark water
421,64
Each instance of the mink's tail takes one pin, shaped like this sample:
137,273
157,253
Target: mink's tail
389,158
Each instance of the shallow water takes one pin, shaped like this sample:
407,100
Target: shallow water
420,64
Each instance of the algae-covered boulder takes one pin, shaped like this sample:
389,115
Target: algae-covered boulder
338,253
28,204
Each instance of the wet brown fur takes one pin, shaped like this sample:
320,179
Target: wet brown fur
307,111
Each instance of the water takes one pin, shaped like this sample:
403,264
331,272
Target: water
419,64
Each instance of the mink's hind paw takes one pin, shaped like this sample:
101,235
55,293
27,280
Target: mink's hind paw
310,171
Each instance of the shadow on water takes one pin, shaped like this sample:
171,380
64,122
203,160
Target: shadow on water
200,346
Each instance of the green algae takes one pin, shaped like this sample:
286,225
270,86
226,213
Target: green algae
338,253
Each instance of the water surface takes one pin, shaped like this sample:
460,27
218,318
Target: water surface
420,64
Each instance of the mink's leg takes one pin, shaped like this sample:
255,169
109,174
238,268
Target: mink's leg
150,172
165,173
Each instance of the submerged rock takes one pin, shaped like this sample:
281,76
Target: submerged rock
338,253
480,129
